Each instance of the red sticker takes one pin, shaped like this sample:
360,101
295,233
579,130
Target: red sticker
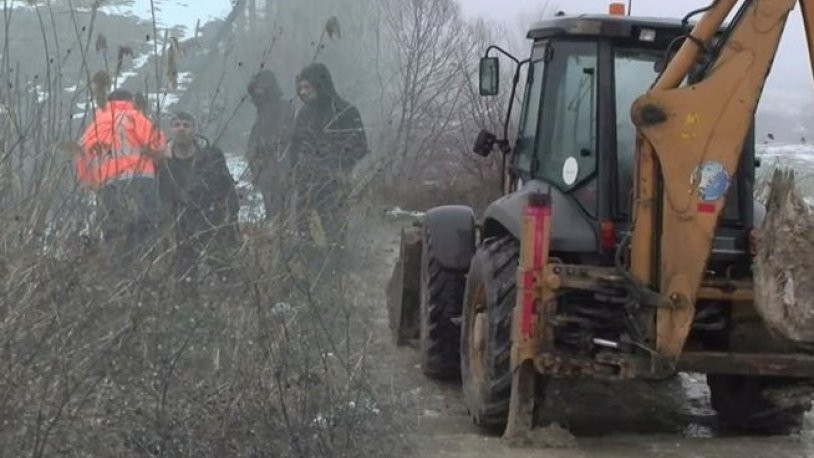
528,279
525,318
704,207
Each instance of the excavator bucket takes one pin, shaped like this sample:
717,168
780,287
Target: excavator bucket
784,286
404,289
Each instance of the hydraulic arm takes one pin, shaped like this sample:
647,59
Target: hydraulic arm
690,142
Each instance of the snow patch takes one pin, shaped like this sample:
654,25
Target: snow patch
141,60
396,213
184,78
802,152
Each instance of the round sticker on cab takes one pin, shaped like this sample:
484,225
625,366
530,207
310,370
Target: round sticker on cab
713,181
570,171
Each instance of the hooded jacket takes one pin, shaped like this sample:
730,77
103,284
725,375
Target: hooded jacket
272,128
200,190
328,132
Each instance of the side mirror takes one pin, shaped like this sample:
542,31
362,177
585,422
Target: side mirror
485,143
489,76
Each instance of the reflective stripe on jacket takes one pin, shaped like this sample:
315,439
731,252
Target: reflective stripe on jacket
113,145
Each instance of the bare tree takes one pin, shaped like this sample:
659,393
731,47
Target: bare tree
425,39
436,110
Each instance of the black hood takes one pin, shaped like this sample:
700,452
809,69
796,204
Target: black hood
268,81
320,77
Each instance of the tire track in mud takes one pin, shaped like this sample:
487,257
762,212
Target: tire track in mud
640,419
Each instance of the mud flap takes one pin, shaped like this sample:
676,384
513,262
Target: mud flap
521,404
404,289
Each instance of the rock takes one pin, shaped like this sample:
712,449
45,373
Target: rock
784,287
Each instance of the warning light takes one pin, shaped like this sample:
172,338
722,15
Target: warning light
607,236
616,9
647,35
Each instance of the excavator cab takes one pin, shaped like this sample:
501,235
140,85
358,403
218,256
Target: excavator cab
576,135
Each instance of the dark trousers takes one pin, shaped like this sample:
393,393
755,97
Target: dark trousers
270,180
129,215
326,201
321,219
202,239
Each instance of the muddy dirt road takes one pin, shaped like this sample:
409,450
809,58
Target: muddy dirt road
669,419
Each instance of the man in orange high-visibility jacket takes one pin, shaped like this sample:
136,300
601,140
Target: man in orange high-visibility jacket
118,152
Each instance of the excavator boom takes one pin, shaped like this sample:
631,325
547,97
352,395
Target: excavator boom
691,139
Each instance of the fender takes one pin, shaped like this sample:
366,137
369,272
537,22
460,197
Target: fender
571,230
453,235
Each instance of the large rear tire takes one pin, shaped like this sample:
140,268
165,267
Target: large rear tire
486,332
741,404
442,291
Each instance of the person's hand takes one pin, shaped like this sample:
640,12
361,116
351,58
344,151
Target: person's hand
162,153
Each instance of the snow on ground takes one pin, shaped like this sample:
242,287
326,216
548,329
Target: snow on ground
251,202
796,152
142,59
798,157
397,213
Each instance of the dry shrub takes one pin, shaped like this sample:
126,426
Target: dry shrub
105,361
451,178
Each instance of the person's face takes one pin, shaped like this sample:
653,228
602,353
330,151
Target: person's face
306,91
183,131
258,93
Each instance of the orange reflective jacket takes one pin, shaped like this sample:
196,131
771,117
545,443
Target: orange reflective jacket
115,143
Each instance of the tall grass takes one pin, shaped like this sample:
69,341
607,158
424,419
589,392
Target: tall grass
100,359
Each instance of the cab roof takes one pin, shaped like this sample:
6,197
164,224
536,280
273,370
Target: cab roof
595,25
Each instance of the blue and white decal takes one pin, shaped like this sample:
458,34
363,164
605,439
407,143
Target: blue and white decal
713,181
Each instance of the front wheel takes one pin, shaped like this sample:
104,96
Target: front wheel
441,295
742,404
486,341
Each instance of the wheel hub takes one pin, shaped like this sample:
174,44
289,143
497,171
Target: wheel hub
478,335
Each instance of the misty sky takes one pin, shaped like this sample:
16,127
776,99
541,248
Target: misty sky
789,85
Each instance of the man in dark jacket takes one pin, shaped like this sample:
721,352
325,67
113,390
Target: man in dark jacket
329,139
200,198
268,142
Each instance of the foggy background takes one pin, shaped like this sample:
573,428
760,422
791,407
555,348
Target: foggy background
788,97
98,365
410,68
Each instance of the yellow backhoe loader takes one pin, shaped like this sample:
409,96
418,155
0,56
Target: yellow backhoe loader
625,244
